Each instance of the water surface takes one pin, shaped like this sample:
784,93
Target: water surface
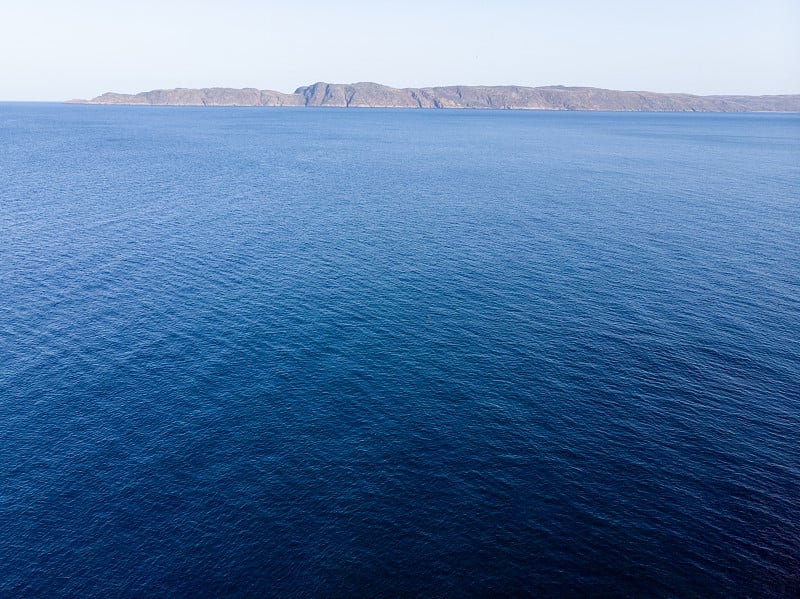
299,352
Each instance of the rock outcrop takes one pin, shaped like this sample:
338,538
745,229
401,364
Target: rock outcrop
374,95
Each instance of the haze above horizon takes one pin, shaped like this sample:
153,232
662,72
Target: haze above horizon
55,51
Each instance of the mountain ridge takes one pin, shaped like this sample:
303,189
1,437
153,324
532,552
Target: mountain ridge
508,97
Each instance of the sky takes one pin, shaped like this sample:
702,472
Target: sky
56,50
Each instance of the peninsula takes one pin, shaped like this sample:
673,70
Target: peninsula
374,95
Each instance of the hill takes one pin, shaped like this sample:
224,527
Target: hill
374,95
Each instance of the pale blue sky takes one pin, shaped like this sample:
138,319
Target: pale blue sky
55,50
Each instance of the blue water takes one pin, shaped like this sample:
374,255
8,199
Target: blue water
328,353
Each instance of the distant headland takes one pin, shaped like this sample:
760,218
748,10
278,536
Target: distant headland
374,95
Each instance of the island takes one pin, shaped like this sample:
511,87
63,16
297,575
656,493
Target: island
510,97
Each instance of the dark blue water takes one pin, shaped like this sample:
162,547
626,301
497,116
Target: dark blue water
376,353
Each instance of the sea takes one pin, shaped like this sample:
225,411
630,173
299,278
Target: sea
297,352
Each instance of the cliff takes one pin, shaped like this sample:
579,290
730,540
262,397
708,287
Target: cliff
374,95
